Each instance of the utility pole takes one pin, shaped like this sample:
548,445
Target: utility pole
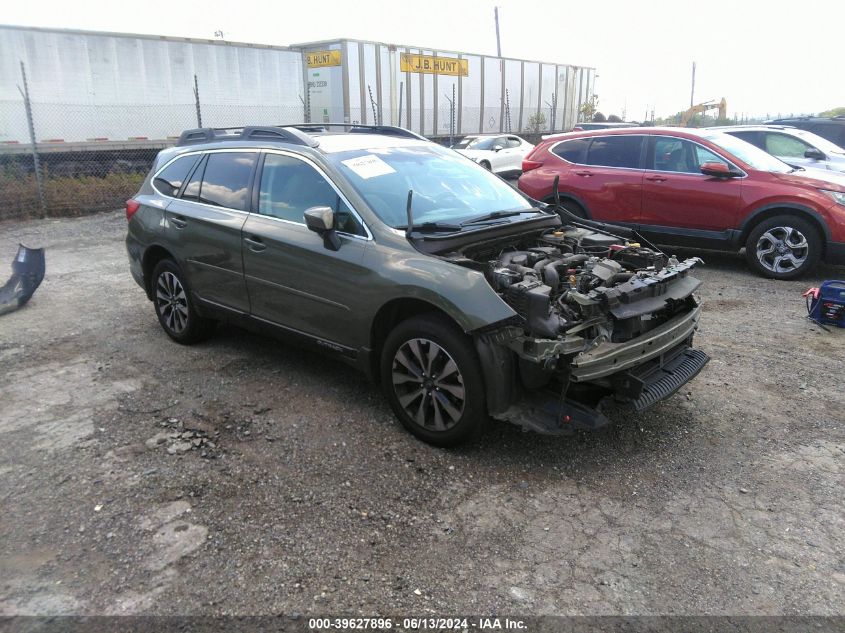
498,41
692,91
36,164
197,101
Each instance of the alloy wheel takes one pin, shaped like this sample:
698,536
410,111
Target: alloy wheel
428,384
172,302
782,249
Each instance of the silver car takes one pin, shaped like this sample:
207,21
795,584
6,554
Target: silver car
795,147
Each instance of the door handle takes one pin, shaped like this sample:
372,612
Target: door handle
179,222
584,173
255,244
656,178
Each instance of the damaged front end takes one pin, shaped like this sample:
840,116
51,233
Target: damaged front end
599,317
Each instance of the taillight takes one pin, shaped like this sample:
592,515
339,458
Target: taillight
528,165
131,207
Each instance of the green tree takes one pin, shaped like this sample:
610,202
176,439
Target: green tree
833,112
614,118
588,109
537,122
598,117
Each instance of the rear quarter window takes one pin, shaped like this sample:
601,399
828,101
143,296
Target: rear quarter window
574,150
170,179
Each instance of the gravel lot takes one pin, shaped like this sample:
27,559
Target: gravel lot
294,490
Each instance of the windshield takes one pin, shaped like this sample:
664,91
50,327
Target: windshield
476,142
448,188
753,156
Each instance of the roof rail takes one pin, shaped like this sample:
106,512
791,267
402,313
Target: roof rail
249,133
357,128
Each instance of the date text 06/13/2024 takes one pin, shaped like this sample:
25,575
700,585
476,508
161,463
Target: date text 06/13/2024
416,624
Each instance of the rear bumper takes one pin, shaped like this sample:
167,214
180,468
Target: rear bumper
835,253
133,251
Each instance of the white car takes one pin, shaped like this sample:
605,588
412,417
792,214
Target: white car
500,153
795,147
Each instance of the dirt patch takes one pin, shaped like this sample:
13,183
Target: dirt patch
289,478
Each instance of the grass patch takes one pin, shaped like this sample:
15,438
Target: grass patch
65,196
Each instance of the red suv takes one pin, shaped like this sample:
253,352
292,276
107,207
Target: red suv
695,188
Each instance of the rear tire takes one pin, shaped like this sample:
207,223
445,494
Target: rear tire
175,308
783,247
431,377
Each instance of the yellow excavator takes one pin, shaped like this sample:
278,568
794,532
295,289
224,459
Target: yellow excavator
701,108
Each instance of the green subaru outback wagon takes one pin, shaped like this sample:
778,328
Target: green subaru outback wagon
462,297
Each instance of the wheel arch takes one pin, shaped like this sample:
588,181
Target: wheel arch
571,197
773,210
152,256
392,314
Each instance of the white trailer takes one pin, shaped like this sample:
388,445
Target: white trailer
89,88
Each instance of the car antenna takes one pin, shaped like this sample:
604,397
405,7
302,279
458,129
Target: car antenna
410,214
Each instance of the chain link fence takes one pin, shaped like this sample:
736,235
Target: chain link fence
80,164
92,157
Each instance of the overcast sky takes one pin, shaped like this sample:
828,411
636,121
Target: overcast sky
763,57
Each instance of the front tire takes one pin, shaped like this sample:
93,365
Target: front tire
486,165
432,379
783,247
174,306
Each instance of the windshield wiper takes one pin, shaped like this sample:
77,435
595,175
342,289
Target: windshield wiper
496,215
431,227
424,227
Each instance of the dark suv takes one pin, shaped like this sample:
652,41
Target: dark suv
831,128
462,296
699,188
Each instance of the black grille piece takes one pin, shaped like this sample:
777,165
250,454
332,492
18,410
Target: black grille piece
670,377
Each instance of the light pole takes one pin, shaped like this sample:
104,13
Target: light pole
498,41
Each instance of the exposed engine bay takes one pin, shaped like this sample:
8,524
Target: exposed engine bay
574,278
598,315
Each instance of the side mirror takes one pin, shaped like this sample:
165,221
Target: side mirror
321,221
498,148
718,170
814,153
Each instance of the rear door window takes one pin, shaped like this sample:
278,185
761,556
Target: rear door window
615,151
225,182
573,151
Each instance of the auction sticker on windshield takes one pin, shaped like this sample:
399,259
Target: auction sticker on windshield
369,166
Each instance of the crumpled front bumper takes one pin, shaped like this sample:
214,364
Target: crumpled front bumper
610,358
639,388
